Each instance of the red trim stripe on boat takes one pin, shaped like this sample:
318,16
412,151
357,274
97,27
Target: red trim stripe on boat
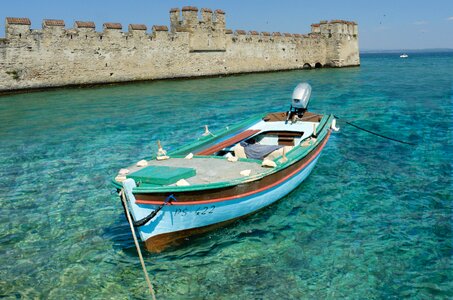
230,141
248,193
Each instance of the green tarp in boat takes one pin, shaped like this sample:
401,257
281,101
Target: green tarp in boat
161,175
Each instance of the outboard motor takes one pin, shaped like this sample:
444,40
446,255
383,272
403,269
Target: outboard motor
300,99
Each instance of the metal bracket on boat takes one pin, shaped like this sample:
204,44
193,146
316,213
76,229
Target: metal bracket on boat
207,131
149,217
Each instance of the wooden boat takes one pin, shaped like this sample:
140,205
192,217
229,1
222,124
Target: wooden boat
230,175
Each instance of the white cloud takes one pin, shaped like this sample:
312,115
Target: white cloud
420,22
450,19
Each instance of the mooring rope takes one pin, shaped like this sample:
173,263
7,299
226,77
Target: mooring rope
149,217
129,219
375,133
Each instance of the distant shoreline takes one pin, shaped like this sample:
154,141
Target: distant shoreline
436,50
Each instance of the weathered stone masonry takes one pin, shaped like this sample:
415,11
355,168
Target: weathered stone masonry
55,56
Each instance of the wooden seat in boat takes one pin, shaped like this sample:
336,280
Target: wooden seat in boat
231,141
281,116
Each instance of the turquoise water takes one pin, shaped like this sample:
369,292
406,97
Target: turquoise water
373,220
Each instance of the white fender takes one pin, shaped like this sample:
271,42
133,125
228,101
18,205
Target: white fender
334,125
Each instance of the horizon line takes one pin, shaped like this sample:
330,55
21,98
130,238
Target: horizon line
405,49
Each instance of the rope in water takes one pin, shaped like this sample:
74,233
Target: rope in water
374,133
150,286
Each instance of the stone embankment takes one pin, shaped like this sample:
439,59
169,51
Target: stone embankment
196,44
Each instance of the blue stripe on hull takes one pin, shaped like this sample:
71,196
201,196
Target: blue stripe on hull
182,217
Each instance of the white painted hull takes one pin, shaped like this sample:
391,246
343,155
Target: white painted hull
173,218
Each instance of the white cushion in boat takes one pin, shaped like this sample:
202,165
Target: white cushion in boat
245,172
120,178
232,159
269,163
182,182
239,151
279,152
123,171
142,163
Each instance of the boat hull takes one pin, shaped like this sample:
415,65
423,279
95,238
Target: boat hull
179,222
175,222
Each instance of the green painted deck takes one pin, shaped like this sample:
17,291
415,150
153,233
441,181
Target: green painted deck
161,175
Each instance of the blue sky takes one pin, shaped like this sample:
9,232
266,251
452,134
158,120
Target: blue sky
383,24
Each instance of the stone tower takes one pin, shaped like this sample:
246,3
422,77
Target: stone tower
205,34
342,42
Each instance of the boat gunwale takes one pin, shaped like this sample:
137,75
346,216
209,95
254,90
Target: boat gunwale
293,157
250,193
225,132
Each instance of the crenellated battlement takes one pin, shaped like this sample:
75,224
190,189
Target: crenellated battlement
196,43
185,20
202,25
53,24
189,19
20,27
341,27
85,25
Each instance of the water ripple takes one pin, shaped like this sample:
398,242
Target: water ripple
374,219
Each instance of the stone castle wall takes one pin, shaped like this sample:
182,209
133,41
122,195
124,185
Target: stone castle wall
193,46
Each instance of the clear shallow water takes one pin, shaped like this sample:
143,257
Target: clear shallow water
373,220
